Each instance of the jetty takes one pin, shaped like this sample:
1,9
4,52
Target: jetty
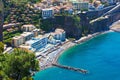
71,68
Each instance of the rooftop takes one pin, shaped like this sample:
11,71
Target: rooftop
47,9
17,37
26,34
28,25
59,30
33,40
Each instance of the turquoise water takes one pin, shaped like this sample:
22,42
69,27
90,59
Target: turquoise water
101,56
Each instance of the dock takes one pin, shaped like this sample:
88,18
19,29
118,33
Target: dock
71,68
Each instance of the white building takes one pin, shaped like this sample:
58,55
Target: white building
100,7
19,40
53,40
37,43
110,1
27,36
36,32
47,13
91,7
80,5
116,1
59,34
28,28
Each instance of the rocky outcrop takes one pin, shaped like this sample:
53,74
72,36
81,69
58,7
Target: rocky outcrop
104,24
84,27
68,24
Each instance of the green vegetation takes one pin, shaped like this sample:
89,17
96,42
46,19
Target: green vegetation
9,35
77,21
16,12
47,24
1,47
18,65
19,2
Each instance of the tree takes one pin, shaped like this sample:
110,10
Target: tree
1,47
18,65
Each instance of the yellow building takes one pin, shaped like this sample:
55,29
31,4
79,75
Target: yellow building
28,28
17,41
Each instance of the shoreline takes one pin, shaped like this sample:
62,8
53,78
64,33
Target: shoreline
66,45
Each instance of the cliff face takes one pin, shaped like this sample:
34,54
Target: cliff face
83,27
69,25
103,25
99,26
76,28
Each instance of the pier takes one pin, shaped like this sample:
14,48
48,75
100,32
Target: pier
71,68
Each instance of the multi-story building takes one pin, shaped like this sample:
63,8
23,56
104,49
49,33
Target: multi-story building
52,40
80,5
115,1
37,43
110,1
36,32
47,13
17,41
27,35
28,28
59,34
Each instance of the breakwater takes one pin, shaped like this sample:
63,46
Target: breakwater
71,68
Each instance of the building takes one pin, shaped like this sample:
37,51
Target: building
80,5
116,1
17,41
47,13
28,28
100,7
91,7
59,34
110,1
36,32
27,35
36,43
52,40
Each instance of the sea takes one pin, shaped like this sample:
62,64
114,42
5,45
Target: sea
100,56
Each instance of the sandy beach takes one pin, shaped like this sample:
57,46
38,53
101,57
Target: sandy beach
52,56
116,26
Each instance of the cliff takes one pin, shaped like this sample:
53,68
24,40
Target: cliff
71,24
79,25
